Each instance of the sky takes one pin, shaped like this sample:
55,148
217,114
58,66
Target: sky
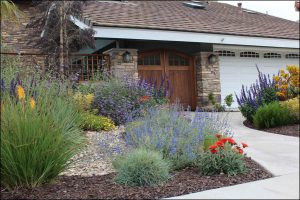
283,9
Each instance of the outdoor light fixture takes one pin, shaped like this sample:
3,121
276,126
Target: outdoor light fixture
127,58
212,59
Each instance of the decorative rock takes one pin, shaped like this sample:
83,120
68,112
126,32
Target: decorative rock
91,161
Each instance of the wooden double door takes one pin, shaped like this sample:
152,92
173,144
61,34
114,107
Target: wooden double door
172,69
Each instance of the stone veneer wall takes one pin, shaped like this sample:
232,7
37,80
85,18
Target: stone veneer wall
207,79
120,68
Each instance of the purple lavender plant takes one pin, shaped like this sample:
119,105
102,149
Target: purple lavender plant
119,99
166,131
253,97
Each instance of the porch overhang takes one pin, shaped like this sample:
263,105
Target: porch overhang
181,36
109,32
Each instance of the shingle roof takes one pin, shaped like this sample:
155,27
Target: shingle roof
217,18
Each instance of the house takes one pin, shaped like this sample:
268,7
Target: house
199,47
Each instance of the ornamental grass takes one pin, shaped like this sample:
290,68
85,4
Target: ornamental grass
39,132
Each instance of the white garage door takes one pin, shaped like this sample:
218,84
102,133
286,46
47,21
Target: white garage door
238,67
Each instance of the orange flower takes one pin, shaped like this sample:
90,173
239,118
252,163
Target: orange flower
20,92
32,103
144,98
244,145
239,150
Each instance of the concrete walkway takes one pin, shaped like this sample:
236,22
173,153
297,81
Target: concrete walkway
279,154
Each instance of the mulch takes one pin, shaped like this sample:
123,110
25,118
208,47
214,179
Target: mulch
289,130
103,187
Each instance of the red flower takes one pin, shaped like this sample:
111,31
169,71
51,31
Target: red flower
231,141
213,147
239,150
213,151
224,140
219,144
244,145
218,136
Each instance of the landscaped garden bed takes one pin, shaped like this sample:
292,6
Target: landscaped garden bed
92,176
103,187
272,103
115,138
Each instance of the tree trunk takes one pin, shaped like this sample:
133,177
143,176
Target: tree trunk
61,41
66,47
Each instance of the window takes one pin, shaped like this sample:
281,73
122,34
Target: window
226,53
177,60
272,55
292,55
153,59
249,54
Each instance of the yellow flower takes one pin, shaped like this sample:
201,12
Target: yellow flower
280,94
89,99
20,92
32,103
276,79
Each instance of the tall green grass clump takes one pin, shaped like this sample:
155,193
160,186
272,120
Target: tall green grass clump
141,167
39,132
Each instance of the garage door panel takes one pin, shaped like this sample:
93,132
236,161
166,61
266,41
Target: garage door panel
237,71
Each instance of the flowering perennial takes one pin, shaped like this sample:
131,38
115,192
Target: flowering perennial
287,83
220,144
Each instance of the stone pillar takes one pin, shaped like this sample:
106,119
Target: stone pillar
208,79
118,67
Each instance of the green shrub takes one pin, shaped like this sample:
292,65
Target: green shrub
272,115
269,95
225,161
93,122
248,111
83,101
293,106
219,108
229,100
211,98
141,168
208,141
39,135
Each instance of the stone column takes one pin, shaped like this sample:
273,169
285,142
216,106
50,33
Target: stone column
118,67
208,79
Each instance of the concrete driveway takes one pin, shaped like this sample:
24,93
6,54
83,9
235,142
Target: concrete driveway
279,154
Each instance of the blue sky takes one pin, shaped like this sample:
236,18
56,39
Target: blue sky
283,9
